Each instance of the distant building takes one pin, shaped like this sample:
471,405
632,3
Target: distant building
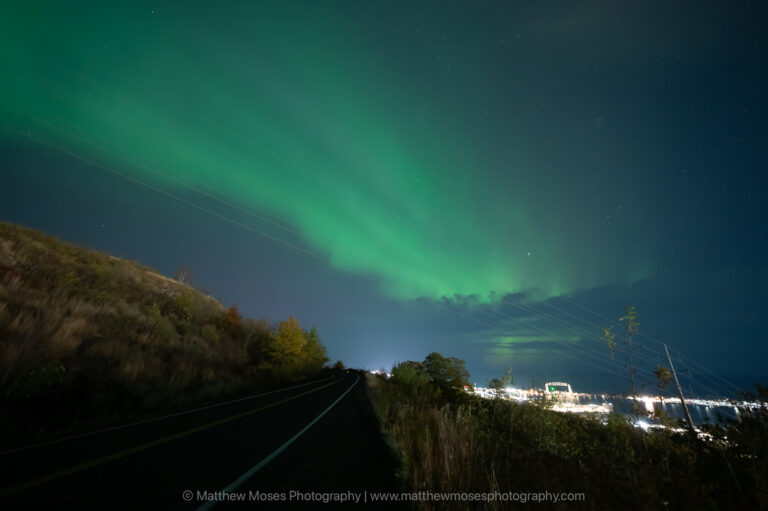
558,387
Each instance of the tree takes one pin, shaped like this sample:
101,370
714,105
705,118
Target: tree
315,352
632,324
231,323
447,373
609,338
258,339
288,344
412,377
664,376
184,275
496,385
507,379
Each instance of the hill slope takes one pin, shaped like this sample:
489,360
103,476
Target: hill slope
86,336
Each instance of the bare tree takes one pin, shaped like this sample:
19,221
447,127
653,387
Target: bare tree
184,275
632,323
609,338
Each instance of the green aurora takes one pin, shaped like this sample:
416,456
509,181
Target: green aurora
304,117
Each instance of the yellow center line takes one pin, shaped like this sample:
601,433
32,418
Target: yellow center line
4,492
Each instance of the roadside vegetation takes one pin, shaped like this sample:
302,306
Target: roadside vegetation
87,337
448,440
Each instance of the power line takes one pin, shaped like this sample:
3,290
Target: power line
229,202
509,332
588,334
209,211
592,351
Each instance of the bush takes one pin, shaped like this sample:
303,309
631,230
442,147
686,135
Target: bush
210,334
231,323
118,328
477,445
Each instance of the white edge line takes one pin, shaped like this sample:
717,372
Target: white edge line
243,478
153,419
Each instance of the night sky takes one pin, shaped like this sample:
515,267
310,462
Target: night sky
490,180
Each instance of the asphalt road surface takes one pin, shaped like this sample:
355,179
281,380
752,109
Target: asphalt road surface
273,450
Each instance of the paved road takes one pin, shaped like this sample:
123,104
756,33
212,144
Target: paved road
320,436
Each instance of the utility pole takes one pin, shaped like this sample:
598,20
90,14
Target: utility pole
680,392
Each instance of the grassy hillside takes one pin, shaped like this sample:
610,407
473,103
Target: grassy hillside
85,336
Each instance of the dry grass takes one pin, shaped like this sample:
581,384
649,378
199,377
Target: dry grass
86,336
474,445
